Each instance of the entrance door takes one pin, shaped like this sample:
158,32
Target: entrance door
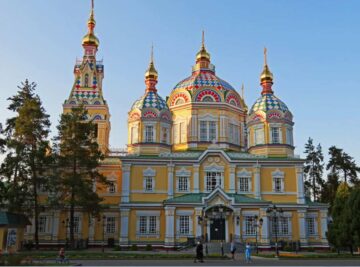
217,229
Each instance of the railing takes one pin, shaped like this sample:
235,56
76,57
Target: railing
79,61
118,152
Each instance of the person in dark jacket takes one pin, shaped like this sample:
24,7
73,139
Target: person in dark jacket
199,252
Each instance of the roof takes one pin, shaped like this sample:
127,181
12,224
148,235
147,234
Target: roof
150,100
309,202
268,102
13,219
197,198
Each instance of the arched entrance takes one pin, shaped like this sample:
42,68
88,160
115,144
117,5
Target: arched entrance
218,217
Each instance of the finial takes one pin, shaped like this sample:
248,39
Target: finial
151,72
92,4
152,53
90,38
265,56
242,91
203,39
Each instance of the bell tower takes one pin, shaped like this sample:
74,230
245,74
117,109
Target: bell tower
87,86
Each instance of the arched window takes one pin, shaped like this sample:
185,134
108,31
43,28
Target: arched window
180,101
86,80
97,102
207,99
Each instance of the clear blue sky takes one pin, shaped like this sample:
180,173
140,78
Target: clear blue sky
313,52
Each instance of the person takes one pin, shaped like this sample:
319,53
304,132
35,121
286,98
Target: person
248,253
232,250
199,252
62,257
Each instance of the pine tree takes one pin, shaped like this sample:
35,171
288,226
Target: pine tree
313,169
343,164
26,149
353,212
329,189
78,157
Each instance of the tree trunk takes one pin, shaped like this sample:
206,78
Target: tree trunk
72,211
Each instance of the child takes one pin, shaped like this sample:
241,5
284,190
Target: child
248,253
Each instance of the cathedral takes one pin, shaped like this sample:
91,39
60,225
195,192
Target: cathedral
199,164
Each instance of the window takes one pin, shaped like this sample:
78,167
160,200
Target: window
275,135
310,224
86,80
76,224
249,226
152,224
42,224
180,133
207,99
213,179
207,130
183,184
259,136
164,135
143,224
148,225
278,184
134,135
110,225
184,225
280,225
112,187
234,134
244,184
289,136
148,183
149,133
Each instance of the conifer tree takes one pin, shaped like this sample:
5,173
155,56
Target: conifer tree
26,153
78,157
313,169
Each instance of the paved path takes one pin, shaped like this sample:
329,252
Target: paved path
241,262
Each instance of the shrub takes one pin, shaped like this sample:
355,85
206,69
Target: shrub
134,247
117,248
149,247
311,249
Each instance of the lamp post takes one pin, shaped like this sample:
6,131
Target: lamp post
257,223
103,234
275,212
203,220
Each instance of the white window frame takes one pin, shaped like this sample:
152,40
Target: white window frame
183,174
278,176
149,174
112,188
207,123
214,168
313,217
179,231
259,136
165,128
180,131
149,123
134,134
244,174
272,126
284,225
289,136
43,223
110,225
233,133
249,229
148,223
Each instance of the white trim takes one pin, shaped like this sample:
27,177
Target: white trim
183,172
147,213
184,212
149,172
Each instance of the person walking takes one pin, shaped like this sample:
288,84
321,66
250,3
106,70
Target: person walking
248,253
232,250
199,252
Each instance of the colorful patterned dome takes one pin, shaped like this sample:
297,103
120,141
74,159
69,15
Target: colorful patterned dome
150,100
268,102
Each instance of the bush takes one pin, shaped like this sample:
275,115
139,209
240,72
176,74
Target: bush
134,247
149,247
311,249
117,248
29,245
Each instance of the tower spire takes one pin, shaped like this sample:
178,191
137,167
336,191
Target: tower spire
202,57
203,40
242,90
90,39
266,77
151,73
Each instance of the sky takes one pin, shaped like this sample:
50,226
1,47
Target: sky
313,52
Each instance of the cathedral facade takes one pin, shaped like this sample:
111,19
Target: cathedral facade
199,165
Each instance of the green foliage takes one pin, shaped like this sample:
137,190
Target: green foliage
133,247
77,159
313,169
149,247
26,148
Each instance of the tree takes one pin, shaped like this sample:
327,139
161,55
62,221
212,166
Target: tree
353,211
340,232
26,148
78,157
343,164
313,169
328,192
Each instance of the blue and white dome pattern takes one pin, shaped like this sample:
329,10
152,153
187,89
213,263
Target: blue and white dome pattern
150,100
268,102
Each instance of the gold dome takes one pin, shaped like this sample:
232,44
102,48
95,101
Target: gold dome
203,53
266,74
151,72
90,39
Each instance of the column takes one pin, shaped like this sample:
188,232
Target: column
324,226
222,129
257,185
170,226
125,182
198,228
124,230
232,179
196,178
170,180
302,227
265,233
300,184
237,225
194,126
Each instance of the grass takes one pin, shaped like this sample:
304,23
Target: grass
293,255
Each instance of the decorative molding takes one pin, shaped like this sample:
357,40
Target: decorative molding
149,172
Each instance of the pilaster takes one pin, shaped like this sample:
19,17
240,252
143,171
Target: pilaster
170,168
300,184
232,179
302,228
170,226
237,224
198,228
124,230
257,185
324,226
196,178
265,228
125,183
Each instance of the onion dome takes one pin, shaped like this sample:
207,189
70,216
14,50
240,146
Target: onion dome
151,99
203,85
267,101
90,38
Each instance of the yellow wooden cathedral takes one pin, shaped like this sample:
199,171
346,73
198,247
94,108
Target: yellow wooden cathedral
198,165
